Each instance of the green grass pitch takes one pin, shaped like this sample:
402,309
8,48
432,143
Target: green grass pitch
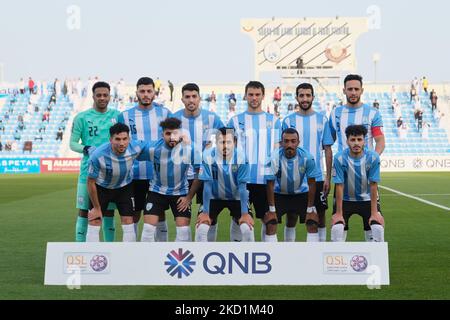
36,209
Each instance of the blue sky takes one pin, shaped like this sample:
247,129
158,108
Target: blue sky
200,40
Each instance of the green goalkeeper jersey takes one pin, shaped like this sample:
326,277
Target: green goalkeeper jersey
92,128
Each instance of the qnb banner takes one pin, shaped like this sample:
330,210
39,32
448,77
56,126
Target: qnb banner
219,263
20,165
415,163
61,165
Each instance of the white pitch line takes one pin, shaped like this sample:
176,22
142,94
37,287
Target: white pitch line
415,198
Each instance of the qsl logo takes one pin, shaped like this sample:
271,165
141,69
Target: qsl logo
99,263
180,263
359,263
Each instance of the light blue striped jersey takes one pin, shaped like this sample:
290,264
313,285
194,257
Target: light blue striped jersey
289,173
170,167
144,125
201,130
344,116
356,174
258,133
225,176
314,134
114,171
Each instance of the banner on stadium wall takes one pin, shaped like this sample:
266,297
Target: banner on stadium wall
218,263
61,165
20,165
314,44
415,163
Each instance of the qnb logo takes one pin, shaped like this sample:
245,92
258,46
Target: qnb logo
180,263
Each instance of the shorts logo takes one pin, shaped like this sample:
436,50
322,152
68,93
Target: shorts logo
180,263
148,206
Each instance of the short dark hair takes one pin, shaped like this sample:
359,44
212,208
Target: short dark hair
190,87
351,77
304,86
170,123
118,128
256,85
355,130
145,81
100,84
224,131
290,131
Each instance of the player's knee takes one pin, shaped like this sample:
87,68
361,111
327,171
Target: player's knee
337,232
377,232
83,213
247,232
311,226
126,219
109,213
271,229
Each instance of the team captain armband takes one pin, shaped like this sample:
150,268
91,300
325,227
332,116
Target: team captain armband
377,131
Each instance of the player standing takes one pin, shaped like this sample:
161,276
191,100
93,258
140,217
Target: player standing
200,126
144,120
92,128
315,137
258,135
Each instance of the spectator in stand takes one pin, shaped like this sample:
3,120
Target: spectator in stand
46,116
8,145
412,93
433,99
14,146
277,95
212,97
399,122
2,126
171,87
419,121
290,107
6,116
22,86
1,145
425,84
42,126
30,85
17,135
59,134
21,126
376,104
38,136
157,86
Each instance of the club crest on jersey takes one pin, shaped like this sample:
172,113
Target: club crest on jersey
234,168
302,169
